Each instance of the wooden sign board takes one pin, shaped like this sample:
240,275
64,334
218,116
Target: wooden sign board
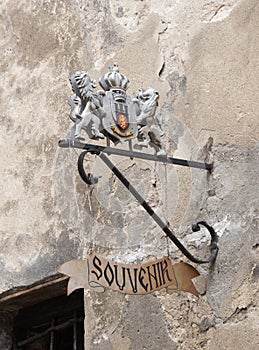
100,273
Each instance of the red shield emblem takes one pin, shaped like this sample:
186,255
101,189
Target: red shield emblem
122,121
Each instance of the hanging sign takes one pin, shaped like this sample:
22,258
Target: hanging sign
100,273
112,114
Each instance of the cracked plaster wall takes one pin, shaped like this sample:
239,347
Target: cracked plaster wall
202,56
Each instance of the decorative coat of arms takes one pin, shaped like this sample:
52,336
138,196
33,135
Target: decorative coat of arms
112,113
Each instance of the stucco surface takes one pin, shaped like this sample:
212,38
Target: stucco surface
202,57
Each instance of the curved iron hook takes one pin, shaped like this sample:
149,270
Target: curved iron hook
214,238
87,178
90,180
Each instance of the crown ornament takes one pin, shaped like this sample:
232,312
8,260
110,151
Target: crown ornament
115,82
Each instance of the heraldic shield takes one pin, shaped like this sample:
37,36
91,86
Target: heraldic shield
120,120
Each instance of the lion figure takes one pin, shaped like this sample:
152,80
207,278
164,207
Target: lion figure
149,133
86,106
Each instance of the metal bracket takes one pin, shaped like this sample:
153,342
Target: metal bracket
111,113
96,149
89,179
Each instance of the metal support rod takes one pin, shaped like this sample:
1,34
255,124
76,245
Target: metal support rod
52,336
150,211
75,332
131,154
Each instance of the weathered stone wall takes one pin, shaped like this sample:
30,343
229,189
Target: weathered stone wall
202,56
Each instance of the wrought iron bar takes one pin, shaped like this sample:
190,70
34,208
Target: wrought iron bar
95,149
52,336
75,332
150,211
